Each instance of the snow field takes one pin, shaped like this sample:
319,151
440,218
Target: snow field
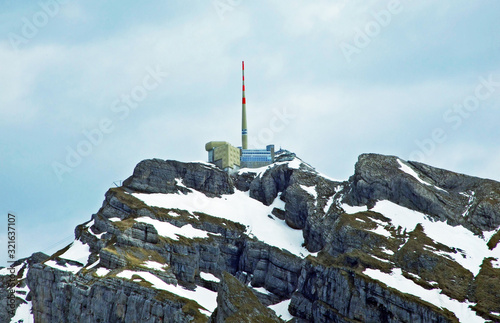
237,207
397,281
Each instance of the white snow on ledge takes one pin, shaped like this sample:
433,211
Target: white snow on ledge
353,209
474,248
408,170
281,309
171,231
238,207
397,281
101,272
154,265
71,268
78,251
311,190
209,277
201,295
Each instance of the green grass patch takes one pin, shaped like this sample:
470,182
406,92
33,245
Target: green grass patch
134,256
486,288
59,253
418,256
189,307
124,224
494,240
128,199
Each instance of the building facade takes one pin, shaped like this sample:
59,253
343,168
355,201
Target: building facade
254,158
223,154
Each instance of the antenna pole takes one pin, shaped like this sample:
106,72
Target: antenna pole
244,131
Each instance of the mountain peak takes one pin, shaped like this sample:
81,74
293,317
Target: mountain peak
178,238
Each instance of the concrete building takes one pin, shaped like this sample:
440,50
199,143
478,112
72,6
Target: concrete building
223,154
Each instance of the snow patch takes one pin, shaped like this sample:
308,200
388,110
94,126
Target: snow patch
101,272
94,264
380,259
178,182
168,230
281,309
114,219
329,178
262,290
23,311
380,230
387,251
78,252
397,281
67,267
311,190
295,163
209,277
11,270
495,263
202,296
353,209
474,248
98,236
154,265
408,170
238,207
23,314
469,203
329,204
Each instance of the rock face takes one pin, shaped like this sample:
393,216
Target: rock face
67,298
158,176
197,253
237,303
447,196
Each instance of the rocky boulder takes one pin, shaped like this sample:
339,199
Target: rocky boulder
170,176
445,195
237,303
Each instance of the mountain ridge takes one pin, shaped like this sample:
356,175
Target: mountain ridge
163,246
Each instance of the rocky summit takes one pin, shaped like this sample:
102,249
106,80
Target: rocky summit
398,241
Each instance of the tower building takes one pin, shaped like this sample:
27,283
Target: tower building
227,157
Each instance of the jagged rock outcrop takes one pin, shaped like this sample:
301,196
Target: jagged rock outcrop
309,247
237,303
458,199
60,296
330,294
170,176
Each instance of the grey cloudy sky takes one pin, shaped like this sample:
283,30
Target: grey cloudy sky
89,89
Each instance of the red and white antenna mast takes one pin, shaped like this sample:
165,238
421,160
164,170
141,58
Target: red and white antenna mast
244,131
